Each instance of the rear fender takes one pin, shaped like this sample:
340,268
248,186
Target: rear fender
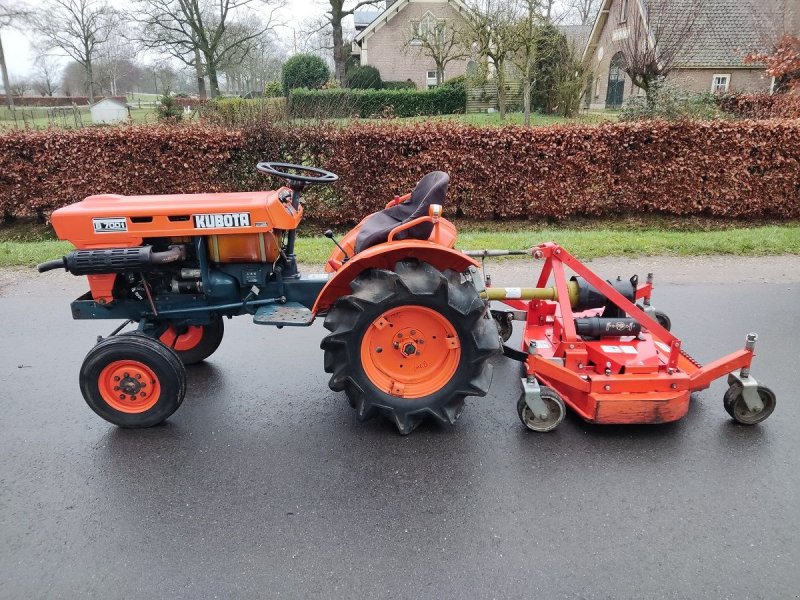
385,256
444,234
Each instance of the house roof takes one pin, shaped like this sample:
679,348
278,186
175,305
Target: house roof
363,17
393,10
577,35
112,101
729,30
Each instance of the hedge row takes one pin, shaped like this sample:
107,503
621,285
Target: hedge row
43,170
761,106
735,169
342,103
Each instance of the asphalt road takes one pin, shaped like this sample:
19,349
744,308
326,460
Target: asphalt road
264,484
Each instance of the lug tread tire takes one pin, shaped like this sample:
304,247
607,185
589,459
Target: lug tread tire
137,346
417,283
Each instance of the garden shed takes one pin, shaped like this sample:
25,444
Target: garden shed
109,110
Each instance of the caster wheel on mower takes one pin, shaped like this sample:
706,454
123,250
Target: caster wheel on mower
736,407
555,406
132,381
194,343
663,320
409,344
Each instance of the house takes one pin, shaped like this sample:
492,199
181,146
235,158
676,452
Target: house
385,39
724,33
109,110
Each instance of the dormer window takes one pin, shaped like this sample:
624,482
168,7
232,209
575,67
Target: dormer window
429,29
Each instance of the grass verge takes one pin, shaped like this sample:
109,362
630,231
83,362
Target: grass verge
28,244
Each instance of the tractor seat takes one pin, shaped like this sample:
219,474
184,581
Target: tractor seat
431,189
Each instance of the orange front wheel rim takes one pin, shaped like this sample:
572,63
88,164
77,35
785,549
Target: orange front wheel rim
182,341
410,351
129,386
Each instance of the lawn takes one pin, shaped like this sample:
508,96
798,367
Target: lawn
142,112
26,245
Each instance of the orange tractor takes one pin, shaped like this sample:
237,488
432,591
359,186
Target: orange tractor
411,328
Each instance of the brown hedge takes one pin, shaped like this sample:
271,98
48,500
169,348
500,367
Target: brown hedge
719,168
735,169
761,106
43,170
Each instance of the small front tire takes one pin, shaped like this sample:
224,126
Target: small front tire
737,408
557,410
132,381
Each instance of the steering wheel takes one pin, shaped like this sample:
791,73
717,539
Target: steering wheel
316,177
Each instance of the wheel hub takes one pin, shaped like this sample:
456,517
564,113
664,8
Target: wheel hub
424,351
129,386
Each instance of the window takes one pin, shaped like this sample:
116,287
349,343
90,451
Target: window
429,28
430,79
719,83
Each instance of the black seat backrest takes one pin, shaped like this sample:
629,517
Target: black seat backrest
432,189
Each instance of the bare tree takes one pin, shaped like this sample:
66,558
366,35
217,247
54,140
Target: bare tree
10,14
490,30
332,21
47,71
582,12
660,41
524,52
438,40
203,33
77,28
20,87
255,66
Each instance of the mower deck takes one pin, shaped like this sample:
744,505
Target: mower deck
635,372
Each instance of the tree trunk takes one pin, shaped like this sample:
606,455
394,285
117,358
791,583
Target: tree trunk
501,88
201,80
339,51
213,80
526,99
6,83
90,80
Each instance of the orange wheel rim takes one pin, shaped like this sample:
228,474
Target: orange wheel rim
410,351
129,386
183,341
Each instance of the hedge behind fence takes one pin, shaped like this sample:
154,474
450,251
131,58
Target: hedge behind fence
342,103
718,168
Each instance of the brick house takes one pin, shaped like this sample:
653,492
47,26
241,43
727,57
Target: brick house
384,39
727,31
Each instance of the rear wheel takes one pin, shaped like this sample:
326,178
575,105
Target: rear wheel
132,381
410,344
194,343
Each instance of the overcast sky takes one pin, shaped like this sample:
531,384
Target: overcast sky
19,55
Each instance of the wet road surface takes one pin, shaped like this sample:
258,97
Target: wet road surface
263,484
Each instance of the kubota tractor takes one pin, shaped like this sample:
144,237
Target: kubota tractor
411,333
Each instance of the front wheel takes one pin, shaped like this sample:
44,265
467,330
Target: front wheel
410,343
132,381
